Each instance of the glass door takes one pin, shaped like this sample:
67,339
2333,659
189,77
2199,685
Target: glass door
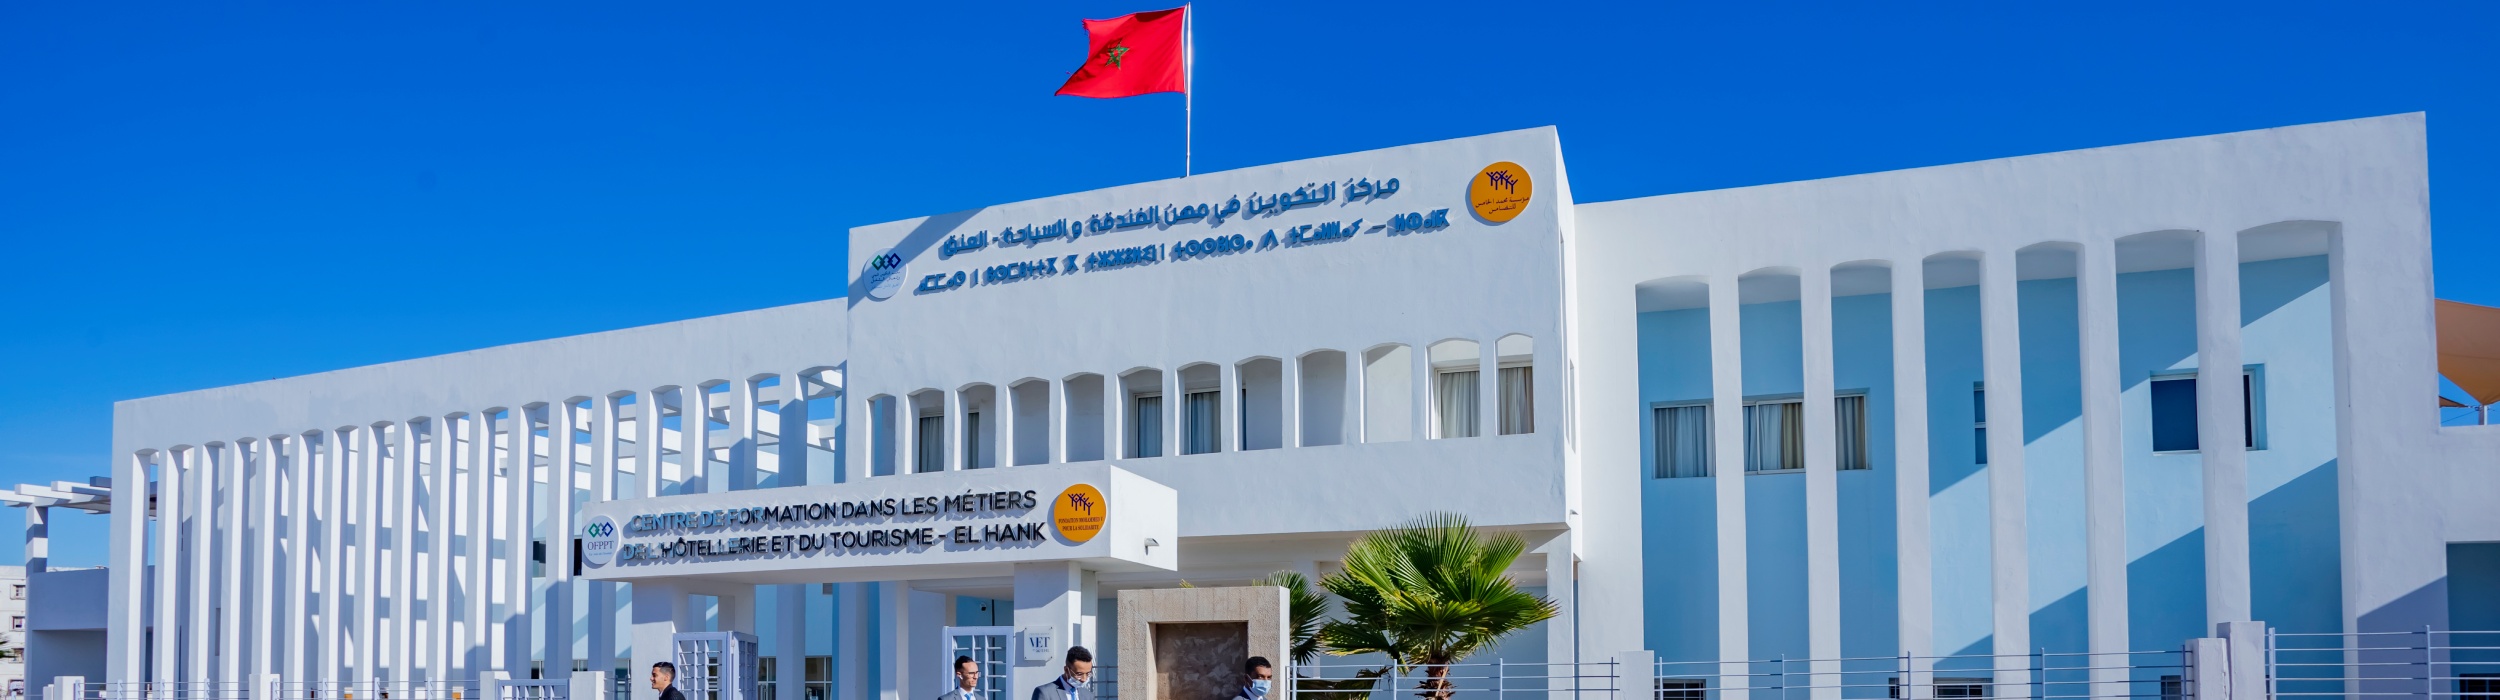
988,648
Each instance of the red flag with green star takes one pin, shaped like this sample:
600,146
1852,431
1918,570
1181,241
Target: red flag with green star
1135,54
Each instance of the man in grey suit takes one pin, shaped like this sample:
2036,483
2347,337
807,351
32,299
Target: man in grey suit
1072,681
967,681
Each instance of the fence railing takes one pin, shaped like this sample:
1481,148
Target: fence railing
2426,663
2131,675
1474,680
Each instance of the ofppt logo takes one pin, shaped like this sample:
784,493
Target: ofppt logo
599,541
881,275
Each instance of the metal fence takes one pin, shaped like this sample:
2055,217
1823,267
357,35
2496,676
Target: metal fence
2132,675
2426,664
1493,680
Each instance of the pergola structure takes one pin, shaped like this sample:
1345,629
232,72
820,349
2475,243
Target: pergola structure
95,496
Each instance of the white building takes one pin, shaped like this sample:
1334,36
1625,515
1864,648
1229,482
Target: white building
2028,363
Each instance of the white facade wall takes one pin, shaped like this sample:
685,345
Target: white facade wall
1336,348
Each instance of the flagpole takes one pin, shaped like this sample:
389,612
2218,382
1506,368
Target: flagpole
1189,78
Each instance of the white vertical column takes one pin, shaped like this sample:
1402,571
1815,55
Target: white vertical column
694,438
169,507
1489,387
850,640
1357,429
1048,595
441,647
1289,432
1419,391
1004,407
894,640
1727,439
647,457
1172,390
1913,549
2105,475
2221,427
404,551
603,473
743,451
480,507
1115,411
660,612
125,651
230,562
38,539
790,641
1814,286
299,557
561,417
199,538
516,583
2009,562
1228,407
953,448
264,611
332,640
371,479
1058,438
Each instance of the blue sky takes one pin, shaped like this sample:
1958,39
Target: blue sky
194,195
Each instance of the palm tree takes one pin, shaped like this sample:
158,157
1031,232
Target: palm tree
1429,593
1305,609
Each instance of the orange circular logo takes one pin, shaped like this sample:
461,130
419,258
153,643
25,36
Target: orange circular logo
1500,192
1080,513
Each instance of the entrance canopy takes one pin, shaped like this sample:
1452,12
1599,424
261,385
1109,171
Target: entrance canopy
961,524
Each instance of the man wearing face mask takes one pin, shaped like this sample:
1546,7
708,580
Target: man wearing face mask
1071,683
1257,678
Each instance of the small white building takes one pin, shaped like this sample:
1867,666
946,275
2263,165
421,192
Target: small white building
2087,402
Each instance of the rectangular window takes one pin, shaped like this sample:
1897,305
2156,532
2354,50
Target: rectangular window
1199,413
1850,413
2171,688
1979,423
17,622
766,673
1518,385
2478,686
1683,435
1455,408
1145,426
1775,436
929,455
1682,689
2174,413
972,440
17,592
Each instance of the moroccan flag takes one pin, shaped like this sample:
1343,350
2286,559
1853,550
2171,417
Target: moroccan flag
1132,55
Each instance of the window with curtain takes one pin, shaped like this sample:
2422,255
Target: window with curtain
1145,427
1454,395
1199,413
1683,440
1775,436
1850,413
1518,400
972,440
929,454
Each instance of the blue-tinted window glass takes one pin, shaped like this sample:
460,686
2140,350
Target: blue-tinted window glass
2174,415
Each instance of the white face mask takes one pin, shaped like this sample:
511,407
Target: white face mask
1258,688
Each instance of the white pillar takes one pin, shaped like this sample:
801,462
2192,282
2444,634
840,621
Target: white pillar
1172,391
2220,427
299,558
894,640
2008,551
230,561
371,478
1228,407
742,435
522,447
331,644
1289,373
38,539
404,578
790,642
1489,387
851,657
603,474
1914,555
1357,428
694,436
647,453
1419,391
562,418
1115,410
2104,471
1048,597
1727,436
1057,441
200,565
125,650
440,647
1822,482
478,592
169,508
264,611
660,612
954,409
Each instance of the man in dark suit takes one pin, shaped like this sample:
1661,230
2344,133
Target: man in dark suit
664,679
1072,682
